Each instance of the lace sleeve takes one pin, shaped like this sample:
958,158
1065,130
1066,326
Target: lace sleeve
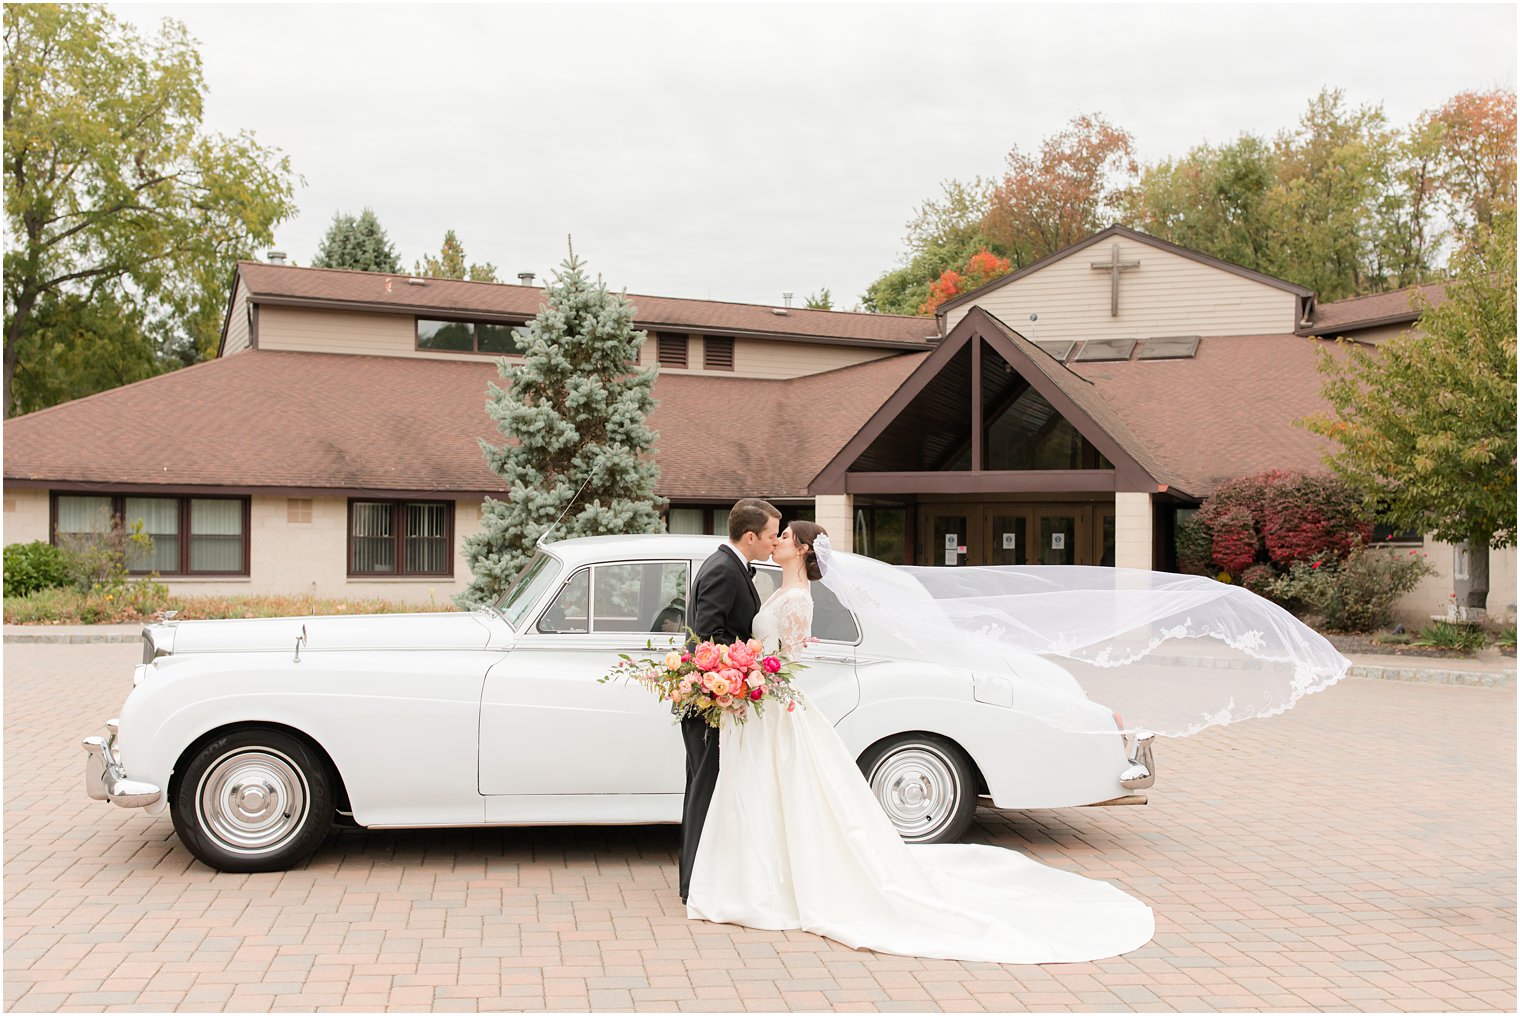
795,617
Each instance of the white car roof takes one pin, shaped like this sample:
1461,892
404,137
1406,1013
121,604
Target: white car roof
595,549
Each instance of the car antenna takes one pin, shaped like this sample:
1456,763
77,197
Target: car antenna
545,534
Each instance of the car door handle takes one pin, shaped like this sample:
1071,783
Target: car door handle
823,658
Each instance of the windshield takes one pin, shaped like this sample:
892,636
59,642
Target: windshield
531,584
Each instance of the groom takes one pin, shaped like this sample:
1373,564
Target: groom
723,607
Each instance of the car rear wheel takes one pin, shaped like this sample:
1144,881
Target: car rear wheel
925,784
253,800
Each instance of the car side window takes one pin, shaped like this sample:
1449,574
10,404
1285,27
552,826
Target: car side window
644,596
567,613
831,621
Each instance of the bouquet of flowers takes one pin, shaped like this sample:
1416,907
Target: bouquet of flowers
712,681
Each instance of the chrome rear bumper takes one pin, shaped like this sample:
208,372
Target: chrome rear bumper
104,778
1141,772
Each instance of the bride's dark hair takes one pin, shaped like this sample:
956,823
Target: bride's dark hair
804,532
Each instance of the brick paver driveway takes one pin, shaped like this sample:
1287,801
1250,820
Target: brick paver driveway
1356,853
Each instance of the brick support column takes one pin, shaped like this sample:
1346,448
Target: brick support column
836,513
1133,538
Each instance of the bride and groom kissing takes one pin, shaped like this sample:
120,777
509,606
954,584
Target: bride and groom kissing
779,829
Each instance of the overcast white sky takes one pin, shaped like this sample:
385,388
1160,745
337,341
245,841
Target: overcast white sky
737,152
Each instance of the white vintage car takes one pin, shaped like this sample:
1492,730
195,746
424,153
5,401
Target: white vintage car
258,735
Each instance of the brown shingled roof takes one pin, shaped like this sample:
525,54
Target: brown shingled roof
1227,412
1345,316
283,420
374,291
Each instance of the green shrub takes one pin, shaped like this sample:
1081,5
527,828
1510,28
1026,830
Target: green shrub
1259,579
1195,547
1449,635
1506,637
33,566
1357,594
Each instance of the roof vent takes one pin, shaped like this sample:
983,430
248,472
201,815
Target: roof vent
525,278
276,257
778,310
416,282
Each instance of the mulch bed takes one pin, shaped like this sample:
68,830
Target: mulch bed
1359,643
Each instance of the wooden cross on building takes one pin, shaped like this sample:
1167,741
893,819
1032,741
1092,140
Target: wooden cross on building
1114,266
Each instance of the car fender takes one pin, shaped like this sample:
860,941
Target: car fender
1026,759
403,731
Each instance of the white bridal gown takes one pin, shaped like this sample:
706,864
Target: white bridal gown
794,838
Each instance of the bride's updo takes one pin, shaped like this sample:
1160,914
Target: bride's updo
804,533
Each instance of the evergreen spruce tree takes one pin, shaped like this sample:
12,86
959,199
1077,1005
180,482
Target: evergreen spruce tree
574,413
357,242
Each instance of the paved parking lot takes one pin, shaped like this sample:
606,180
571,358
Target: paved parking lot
1357,853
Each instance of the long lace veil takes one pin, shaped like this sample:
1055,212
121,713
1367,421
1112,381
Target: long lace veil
1172,654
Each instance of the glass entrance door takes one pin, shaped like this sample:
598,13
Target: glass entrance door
1059,532
949,538
1014,534
1006,537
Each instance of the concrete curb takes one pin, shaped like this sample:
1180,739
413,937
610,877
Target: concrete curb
1430,675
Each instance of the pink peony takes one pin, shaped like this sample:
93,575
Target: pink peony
755,693
740,657
771,664
707,657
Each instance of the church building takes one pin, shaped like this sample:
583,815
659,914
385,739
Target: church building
1068,413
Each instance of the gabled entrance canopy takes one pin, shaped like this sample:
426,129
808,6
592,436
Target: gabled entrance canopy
990,412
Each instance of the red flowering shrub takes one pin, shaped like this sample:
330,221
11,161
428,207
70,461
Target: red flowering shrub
1235,543
1310,514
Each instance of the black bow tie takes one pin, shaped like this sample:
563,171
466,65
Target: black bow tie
751,569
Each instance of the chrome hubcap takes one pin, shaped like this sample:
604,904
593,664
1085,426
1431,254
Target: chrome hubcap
252,800
918,789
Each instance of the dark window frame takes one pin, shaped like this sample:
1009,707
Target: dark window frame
183,570
398,535
474,324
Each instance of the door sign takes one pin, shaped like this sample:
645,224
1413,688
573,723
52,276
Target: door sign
951,557
952,540
1008,543
1057,541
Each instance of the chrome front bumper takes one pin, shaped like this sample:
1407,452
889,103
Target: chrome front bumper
104,778
1141,771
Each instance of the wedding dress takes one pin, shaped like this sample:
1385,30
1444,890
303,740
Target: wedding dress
794,838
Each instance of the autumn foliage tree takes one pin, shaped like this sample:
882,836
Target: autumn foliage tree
1071,189
979,269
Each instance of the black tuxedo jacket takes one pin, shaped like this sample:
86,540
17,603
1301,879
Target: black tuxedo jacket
724,599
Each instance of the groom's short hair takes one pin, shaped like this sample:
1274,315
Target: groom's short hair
749,515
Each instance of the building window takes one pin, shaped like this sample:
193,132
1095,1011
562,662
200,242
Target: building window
400,538
491,337
191,535
687,520
717,353
673,350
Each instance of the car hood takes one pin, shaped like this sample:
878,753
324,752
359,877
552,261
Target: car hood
449,630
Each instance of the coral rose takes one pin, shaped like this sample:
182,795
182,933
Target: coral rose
672,660
740,657
725,701
707,657
771,664
756,648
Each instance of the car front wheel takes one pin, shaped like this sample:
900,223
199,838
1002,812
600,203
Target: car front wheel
925,784
253,800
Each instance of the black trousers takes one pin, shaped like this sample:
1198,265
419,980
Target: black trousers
701,777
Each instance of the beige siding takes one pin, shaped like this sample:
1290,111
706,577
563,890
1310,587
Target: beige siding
764,358
1132,530
237,322
1433,593
1167,295
26,515
340,331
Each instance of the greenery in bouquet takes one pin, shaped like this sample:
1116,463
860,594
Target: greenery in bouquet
711,680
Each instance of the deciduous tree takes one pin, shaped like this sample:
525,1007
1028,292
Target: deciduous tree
115,196
1426,424
450,263
574,418
979,269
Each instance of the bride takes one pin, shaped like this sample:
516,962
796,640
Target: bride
794,838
